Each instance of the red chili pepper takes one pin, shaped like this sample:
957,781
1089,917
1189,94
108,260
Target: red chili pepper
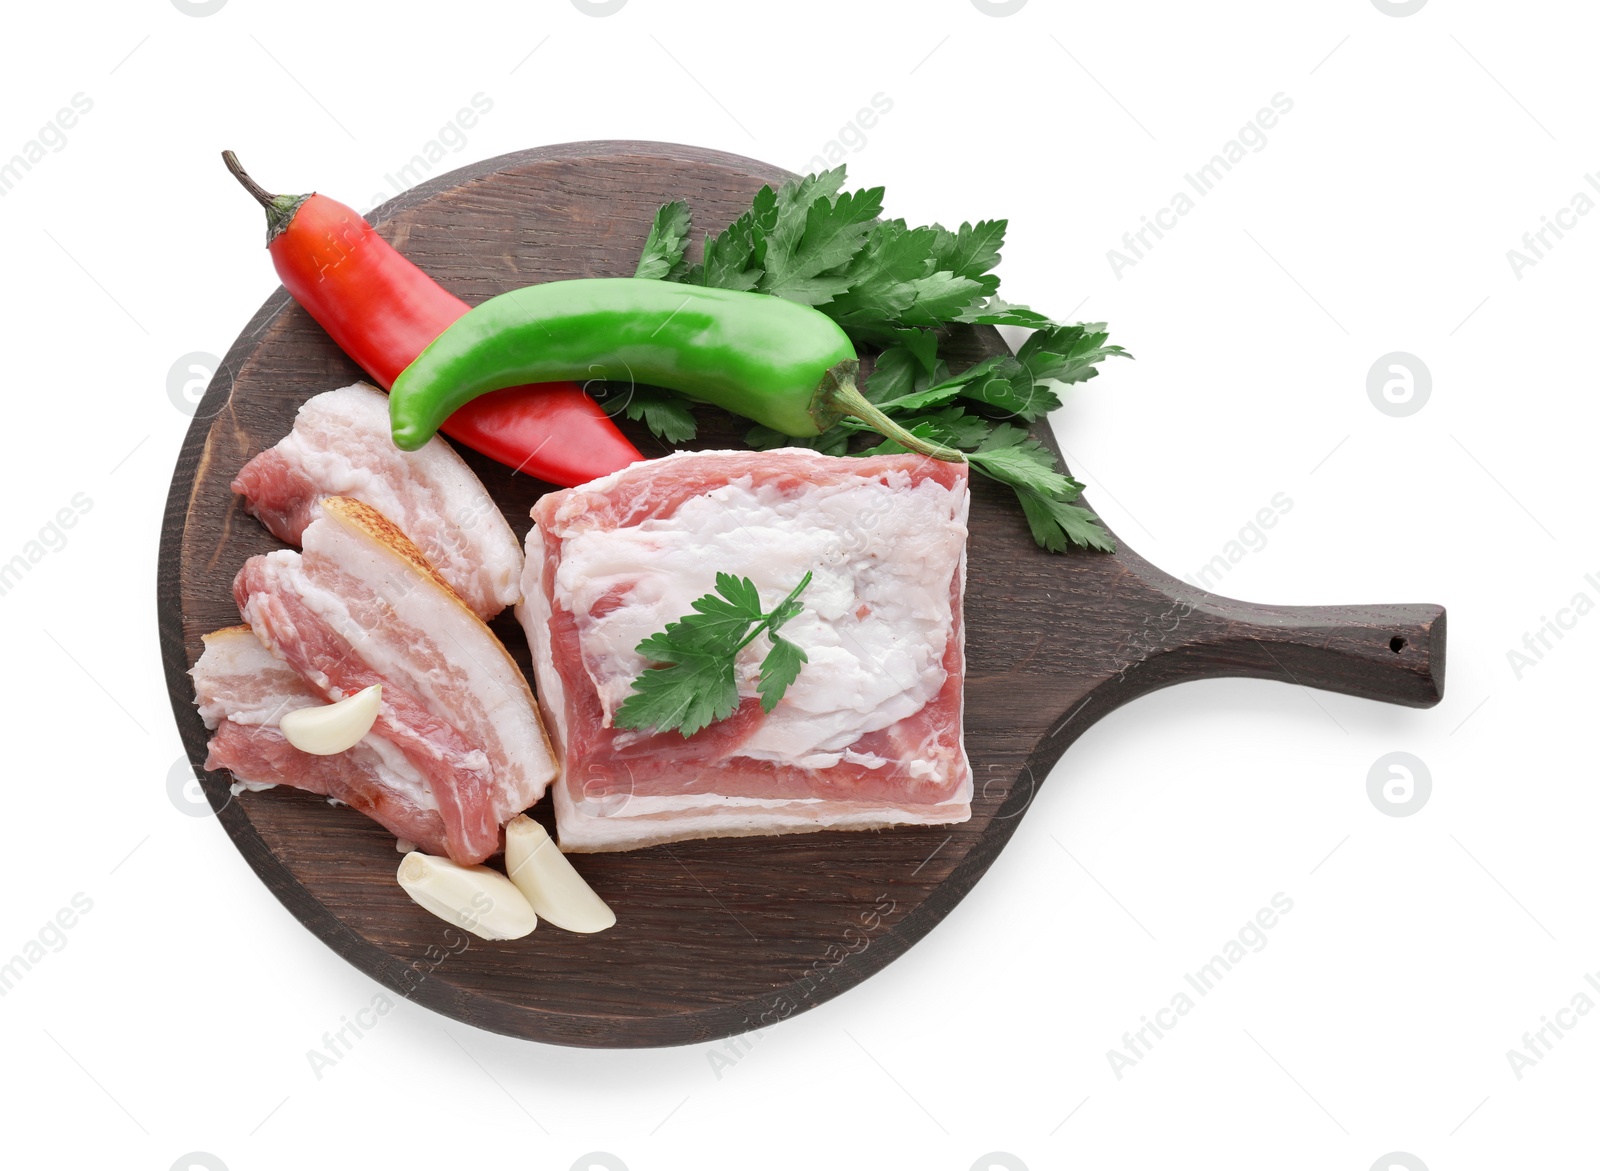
384,311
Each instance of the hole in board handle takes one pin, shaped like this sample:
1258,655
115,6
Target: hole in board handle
1397,644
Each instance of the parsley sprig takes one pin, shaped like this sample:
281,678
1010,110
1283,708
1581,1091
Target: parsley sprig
893,288
696,686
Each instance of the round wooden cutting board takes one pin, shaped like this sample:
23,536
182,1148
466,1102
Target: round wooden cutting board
713,938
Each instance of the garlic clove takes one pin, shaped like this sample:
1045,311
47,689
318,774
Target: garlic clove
553,888
331,728
476,898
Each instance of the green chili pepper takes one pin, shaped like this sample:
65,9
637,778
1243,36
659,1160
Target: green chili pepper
778,362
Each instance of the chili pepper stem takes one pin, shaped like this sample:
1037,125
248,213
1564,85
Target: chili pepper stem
838,396
280,209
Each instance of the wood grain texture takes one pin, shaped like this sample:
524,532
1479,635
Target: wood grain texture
713,938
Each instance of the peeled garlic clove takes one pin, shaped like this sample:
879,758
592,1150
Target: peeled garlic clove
553,888
481,900
334,727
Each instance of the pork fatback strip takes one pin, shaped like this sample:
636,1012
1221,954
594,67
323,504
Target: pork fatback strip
362,606
341,446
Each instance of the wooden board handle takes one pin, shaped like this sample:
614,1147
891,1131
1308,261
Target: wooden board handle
1394,653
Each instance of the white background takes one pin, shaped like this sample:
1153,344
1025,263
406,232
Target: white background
178,1015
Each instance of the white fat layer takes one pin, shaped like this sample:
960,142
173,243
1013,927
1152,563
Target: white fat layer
392,768
341,439
712,815
874,623
650,806
495,711
533,612
240,680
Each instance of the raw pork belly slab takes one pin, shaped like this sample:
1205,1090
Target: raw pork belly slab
243,691
341,446
868,735
362,606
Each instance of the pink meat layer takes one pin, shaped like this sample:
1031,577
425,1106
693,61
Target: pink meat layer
278,494
607,770
262,756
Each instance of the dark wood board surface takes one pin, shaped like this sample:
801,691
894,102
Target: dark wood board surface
713,938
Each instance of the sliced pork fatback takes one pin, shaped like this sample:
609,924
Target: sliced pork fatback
361,606
341,446
868,735
243,691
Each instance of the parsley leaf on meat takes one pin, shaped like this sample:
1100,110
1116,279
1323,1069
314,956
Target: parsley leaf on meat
778,670
696,685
